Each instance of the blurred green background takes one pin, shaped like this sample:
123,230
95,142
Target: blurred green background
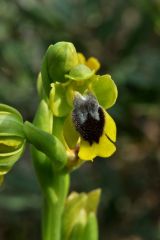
124,36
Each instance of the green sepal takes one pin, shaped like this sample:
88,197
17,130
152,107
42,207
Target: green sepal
77,210
58,100
93,200
69,132
59,59
12,138
77,232
91,228
10,145
8,160
80,73
58,129
46,143
13,111
10,126
105,90
72,213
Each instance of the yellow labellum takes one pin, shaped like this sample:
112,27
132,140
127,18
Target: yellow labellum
105,147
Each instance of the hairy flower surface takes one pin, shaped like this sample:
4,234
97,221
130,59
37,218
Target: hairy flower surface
95,126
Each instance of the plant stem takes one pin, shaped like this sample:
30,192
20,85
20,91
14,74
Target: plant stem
53,206
53,179
51,221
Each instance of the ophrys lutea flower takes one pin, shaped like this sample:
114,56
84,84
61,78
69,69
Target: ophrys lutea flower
96,128
64,73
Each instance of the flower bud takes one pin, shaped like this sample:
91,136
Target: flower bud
12,139
77,212
59,59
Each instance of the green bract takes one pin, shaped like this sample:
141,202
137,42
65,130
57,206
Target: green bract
59,59
12,139
46,143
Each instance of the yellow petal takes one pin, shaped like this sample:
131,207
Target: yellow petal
105,148
87,151
81,58
110,127
93,63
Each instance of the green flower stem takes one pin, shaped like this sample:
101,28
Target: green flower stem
53,209
54,187
49,158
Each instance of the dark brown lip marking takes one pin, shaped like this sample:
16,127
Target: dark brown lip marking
88,118
110,139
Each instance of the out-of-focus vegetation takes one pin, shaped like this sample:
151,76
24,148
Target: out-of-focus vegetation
124,36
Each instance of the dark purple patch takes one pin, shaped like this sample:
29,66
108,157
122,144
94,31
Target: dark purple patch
91,130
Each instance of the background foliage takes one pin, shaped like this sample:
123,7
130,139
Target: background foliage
124,35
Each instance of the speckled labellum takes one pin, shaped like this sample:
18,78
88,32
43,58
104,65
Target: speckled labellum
88,118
